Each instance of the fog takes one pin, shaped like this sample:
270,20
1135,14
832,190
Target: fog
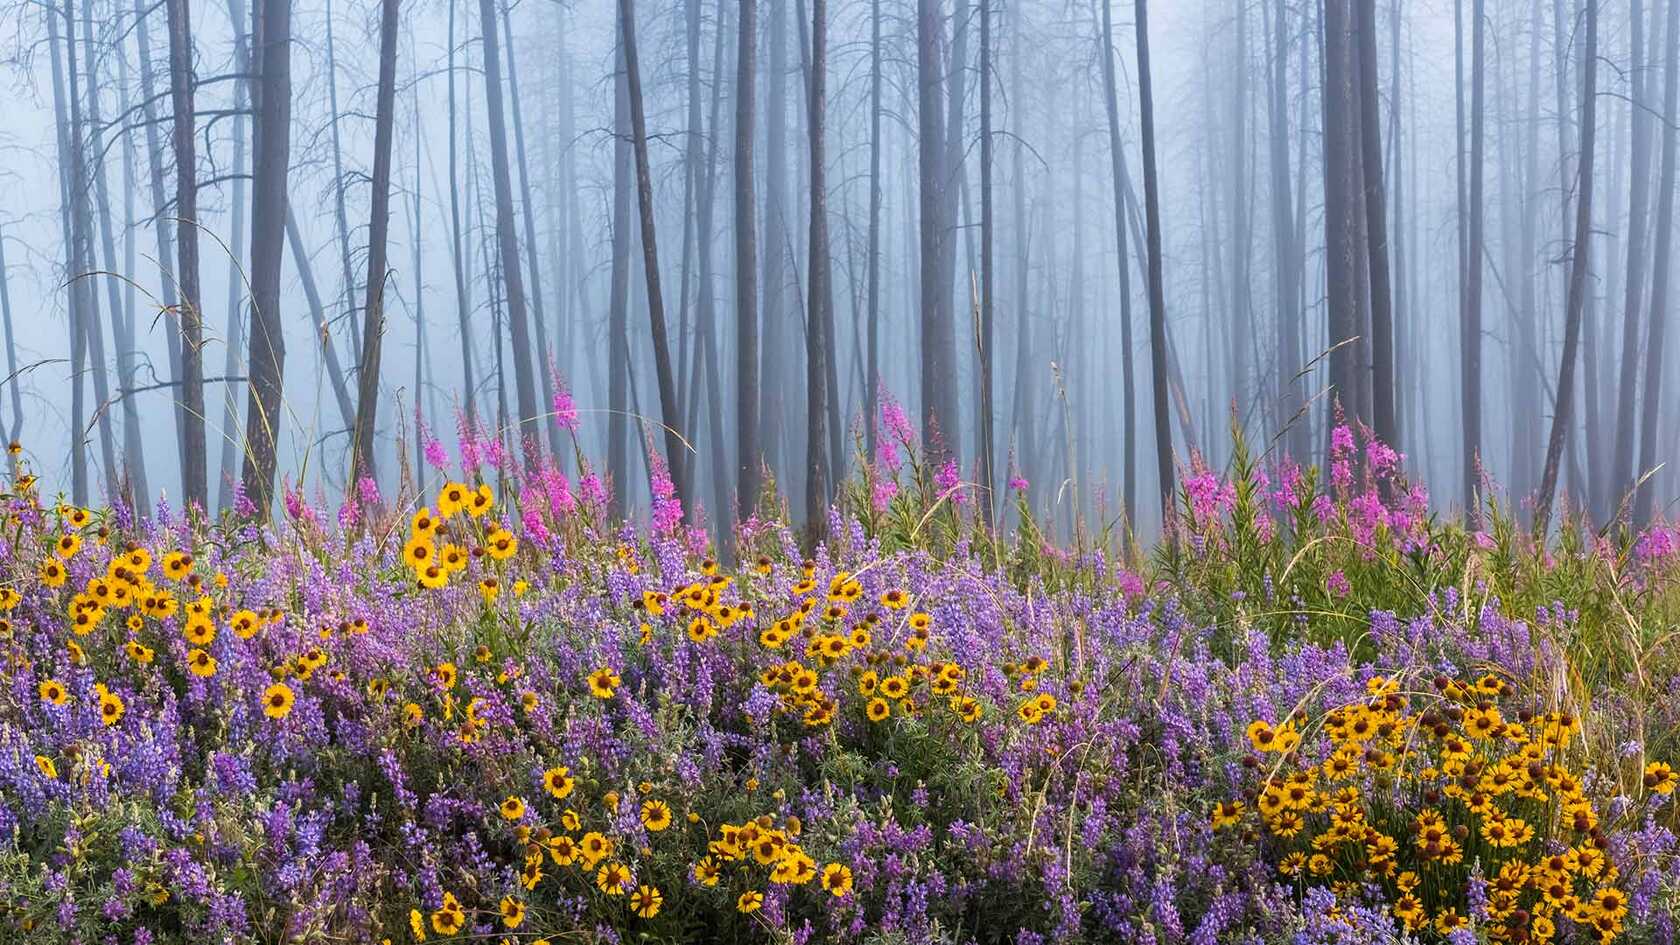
985,184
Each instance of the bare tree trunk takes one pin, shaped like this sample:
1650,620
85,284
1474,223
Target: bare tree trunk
1645,498
1343,302
272,133
1286,271
379,223
618,315
1157,289
527,209
1470,368
817,353
1638,197
341,219
133,485
872,366
748,456
1376,229
988,279
463,304
669,407
163,226
15,433
1111,99
938,367
1577,276
234,343
506,239
194,474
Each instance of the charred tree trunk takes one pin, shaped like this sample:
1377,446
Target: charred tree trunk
938,362
1470,367
1639,184
748,459
1376,230
379,224
618,315
1157,289
194,472
506,239
1343,303
1577,276
669,407
1111,99
272,133
817,353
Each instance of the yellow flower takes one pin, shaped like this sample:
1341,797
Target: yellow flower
110,707
558,782
1227,813
46,765
878,710
837,879
656,815
750,901
419,551
488,588
53,691
513,911
602,682
200,663
450,918
706,872
1660,777
452,498
500,544
482,501
646,900
277,701
513,808
245,624
67,546
611,878
417,925
52,573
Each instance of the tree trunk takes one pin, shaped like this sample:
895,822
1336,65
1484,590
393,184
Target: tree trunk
1343,302
817,353
1577,275
463,304
234,344
527,206
670,409
15,433
1376,230
1157,290
1111,99
1645,497
938,361
506,238
748,458
272,133
1622,474
194,474
1470,367
618,315
379,223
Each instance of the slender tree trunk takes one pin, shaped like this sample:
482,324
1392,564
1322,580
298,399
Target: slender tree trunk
1286,269
506,239
938,362
539,316
1376,229
669,407
1470,367
817,353
618,316
872,380
235,340
1111,99
379,224
163,226
1343,302
194,474
1645,497
1577,276
748,456
1157,288
15,433
341,219
1639,184
272,132
988,278
463,304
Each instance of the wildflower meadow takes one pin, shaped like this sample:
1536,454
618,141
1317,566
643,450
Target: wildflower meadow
485,710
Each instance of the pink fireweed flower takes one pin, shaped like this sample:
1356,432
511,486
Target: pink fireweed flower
1656,544
565,410
593,490
882,492
367,492
1381,458
949,481
1337,584
1018,482
667,508
1341,440
1209,496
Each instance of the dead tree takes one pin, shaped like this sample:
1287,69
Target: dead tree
1645,499
1157,289
748,457
379,224
194,471
1578,273
272,135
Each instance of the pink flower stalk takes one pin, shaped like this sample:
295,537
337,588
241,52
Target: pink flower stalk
367,492
565,410
1337,584
667,507
881,493
593,490
1341,440
949,481
436,455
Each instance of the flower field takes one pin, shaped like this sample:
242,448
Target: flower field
490,713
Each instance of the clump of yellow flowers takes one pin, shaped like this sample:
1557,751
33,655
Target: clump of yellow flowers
1453,802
